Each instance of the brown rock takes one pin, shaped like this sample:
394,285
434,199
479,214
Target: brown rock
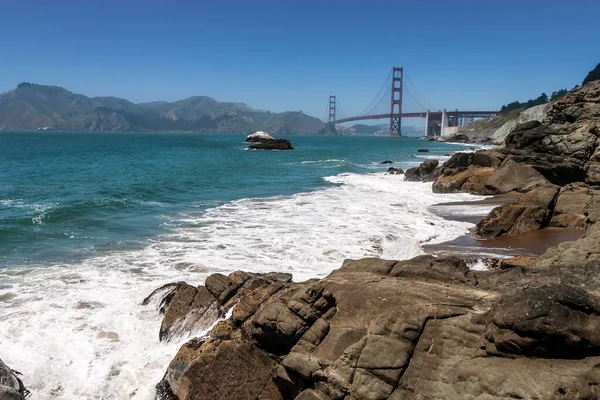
424,172
301,364
513,176
279,324
423,328
189,309
394,171
451,181
442,269
592,174
219,283
11,386
377,266
220,370
584,252
530,213
557,321
577,206
517,262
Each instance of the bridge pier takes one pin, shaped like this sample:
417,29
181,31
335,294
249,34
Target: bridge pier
427,123
444,123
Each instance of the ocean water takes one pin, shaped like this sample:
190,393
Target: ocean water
91,223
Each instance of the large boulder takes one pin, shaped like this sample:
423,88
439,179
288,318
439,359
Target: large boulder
235,363
11,386
577,206
472,180
554,321
220,370
530,213
190,309
560,156
582,253
423,172
513,176
482,158
484,172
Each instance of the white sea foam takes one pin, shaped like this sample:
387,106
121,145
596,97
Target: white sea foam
79,331
465,210
441,159
477,146
478,265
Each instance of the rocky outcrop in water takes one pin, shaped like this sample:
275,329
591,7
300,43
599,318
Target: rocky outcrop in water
264,141
394,171
11,386
258,137
424,172
272,144
423,328
189,308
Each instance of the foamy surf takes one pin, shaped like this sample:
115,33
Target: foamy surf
79,331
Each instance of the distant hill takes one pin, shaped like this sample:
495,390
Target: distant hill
381,129
31,106
194,108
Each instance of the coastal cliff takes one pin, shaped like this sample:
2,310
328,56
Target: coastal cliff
429,327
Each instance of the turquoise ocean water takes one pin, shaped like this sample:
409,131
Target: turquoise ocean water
68,196
90,223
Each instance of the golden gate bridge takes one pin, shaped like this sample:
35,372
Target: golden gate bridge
437,122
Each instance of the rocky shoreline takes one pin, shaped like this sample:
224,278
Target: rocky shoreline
429,327
432,327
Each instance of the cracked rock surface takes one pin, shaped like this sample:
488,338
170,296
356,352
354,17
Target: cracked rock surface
426,328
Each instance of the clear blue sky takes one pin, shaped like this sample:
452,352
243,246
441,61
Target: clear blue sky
291,55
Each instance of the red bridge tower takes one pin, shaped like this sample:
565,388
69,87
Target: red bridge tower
396,102
331,124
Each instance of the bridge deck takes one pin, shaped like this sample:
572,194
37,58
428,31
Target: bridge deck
432,114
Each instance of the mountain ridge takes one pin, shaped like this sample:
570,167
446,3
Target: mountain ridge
33,106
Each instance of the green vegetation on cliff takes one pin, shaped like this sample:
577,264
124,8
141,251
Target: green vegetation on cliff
541,99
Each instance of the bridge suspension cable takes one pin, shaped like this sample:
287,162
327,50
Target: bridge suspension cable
379,102
417,89
340,111
415,98
325,113
385,83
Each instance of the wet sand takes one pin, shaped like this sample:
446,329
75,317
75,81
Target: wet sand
530,244
472,211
